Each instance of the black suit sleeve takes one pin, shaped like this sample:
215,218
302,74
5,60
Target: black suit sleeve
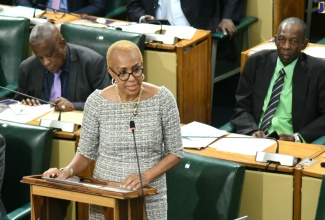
94,7
138,8
2,170
243,118
234,10
26,3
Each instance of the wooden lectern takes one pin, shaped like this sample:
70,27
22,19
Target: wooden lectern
125,205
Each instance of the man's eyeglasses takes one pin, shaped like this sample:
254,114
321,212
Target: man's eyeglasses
124,76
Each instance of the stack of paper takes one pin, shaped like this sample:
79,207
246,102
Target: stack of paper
21,11
199,135
23,113
242,144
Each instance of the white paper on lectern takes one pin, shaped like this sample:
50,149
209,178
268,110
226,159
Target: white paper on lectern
199,135
75,180
242,144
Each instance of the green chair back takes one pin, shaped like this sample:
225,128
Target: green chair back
204,188
320,212
28,152
116,9
14,46
98,39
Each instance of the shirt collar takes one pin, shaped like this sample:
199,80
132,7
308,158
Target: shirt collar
288,68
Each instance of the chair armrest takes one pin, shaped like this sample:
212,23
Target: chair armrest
320,140
243,25
116,12
20,213
229,127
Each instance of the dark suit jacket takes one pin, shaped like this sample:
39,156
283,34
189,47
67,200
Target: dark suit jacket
201,14
87,73
90,7
2,171
308,94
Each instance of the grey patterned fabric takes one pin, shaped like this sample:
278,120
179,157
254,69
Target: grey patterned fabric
107,138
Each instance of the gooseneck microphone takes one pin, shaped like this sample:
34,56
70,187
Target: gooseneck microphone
132,127
156,22
61,125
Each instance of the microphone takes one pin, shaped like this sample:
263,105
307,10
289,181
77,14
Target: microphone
34,20
264,157
132,127
64,126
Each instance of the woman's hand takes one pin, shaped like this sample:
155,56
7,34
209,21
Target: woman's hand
56,173
132,182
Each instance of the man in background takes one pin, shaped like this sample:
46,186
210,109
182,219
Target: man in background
214,15
283,90
90,7
60,73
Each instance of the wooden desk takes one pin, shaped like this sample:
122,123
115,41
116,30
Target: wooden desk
185,69
126,205
268,194
311,182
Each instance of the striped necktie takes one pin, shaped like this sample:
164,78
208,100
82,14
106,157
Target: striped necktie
273,103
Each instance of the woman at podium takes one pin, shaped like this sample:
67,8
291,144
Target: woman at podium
128,128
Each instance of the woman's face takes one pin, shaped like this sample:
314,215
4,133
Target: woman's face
122,64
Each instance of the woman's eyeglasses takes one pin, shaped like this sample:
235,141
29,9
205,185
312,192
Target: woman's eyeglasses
124,76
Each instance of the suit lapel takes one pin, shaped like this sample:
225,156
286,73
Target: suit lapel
300,83
263,77
73,73
40,77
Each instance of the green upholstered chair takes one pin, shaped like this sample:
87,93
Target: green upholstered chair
28,152
14,46
320,211
204,188
322,41
223,68
116,9
98,39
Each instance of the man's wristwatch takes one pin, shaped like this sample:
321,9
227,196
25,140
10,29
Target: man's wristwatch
297,138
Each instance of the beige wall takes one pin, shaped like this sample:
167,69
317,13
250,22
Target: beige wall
262,30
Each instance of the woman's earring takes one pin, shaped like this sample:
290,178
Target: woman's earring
143,77
113,81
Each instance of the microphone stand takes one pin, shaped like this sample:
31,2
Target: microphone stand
132,127
61,125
